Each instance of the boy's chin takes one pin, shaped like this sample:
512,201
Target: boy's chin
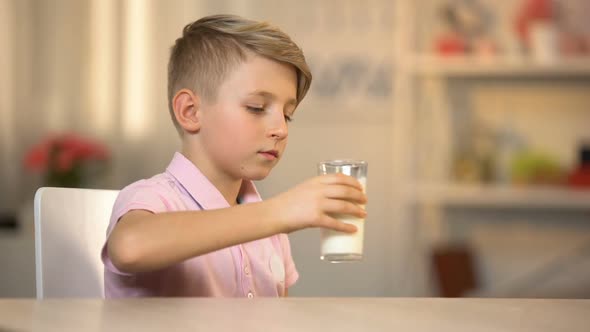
256,175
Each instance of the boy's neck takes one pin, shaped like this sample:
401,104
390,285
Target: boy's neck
228,187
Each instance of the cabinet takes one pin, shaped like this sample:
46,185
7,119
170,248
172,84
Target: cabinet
440,99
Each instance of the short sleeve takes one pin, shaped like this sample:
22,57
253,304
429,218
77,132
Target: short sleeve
291,274
137,196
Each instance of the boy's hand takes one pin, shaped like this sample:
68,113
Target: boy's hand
315,202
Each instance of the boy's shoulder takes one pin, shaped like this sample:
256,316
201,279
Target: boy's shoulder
162,181
157,190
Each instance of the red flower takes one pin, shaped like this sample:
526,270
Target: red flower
64,160
37,158
534,10
62,153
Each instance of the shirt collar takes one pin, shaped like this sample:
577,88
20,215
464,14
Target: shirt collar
201,189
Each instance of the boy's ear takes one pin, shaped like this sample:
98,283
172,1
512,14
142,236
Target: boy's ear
186,110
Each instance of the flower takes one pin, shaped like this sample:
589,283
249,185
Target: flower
64,158
534,11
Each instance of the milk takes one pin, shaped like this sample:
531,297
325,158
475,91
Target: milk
339,246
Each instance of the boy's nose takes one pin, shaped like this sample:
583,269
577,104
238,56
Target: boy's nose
279,129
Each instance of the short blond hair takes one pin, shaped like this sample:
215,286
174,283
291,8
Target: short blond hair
209,48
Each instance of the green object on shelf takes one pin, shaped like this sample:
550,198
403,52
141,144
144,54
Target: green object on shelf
536,168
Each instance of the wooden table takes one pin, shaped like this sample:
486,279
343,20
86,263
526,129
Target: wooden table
295,314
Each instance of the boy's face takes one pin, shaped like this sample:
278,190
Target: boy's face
244,132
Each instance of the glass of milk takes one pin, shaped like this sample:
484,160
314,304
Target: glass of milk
337,247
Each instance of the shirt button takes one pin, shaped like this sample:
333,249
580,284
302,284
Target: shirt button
250,295
246,270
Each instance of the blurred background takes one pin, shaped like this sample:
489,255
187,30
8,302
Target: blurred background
474,117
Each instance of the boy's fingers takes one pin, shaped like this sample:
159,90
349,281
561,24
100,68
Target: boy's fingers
337,225
345,193
342,179
336,206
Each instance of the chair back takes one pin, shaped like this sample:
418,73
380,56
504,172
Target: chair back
70,230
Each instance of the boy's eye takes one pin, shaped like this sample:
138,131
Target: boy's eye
255,109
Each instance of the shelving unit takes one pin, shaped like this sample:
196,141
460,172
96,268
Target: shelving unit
501,197
424,144
427,65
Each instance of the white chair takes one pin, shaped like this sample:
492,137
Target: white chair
70,229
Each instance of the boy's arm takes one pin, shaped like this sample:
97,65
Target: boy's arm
143,241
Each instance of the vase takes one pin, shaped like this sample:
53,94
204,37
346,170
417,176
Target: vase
544,42
68,179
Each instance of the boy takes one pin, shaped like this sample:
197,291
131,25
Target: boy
200,228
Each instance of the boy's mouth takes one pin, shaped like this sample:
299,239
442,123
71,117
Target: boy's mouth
270,154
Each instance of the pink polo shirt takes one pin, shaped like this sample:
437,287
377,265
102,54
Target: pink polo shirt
258,268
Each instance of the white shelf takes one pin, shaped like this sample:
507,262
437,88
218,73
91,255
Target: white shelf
499,67
501,196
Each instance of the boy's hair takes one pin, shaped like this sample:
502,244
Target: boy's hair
211,47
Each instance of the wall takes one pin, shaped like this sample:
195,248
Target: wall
101,87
